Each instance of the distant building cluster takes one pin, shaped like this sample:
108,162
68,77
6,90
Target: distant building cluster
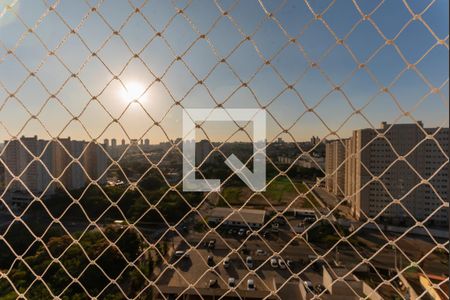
315,140
309,154
34,165
401,163
305,161
116,150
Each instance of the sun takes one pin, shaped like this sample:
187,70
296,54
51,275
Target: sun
133,91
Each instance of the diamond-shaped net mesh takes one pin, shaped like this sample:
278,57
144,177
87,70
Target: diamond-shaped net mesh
360,211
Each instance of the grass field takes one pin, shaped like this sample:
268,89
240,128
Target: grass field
279,192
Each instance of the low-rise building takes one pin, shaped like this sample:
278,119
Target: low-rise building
304,161
340,284
237,217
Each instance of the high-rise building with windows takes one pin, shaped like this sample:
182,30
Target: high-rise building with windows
37,166
397,172
202,151
334,167
18,160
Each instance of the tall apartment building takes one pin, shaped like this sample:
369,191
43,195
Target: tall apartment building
95,162
17,157
401,163
202,150
136,146
334,166
37,162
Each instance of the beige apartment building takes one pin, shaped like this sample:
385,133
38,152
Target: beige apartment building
334,166
37,164
17,159
398,172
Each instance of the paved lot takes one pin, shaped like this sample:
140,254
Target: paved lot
196,272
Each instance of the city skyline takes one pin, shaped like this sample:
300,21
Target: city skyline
179,140
224,149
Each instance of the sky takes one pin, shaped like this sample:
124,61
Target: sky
297,87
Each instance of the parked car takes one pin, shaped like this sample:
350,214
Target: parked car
319,289
212,244
274,263
212,283
226,262
231,282
181,253
210,260
251,285
261,252
249,262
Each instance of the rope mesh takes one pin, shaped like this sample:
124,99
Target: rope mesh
90,219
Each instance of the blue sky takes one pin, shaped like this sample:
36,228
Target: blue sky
290,65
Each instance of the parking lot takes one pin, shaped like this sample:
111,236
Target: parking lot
280,258
203,266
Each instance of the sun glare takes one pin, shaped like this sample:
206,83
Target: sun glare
133,91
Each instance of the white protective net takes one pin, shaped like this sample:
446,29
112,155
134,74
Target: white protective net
91,100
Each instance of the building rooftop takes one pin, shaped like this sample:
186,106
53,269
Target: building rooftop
341,272
342,284
290,290
239,215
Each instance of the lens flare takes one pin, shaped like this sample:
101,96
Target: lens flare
133,91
